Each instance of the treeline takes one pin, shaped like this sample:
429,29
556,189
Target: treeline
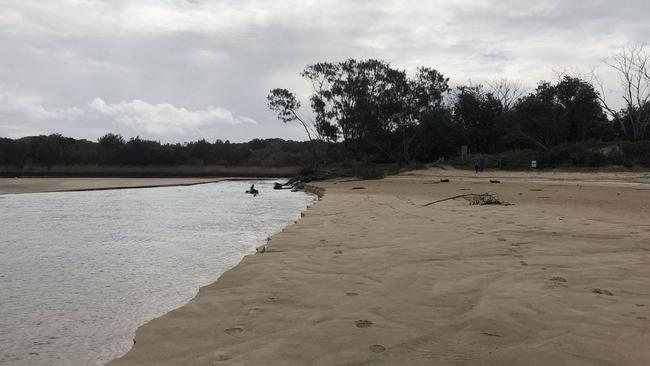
379,113
366,112
114,150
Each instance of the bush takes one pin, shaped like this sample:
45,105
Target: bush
368,172
636,153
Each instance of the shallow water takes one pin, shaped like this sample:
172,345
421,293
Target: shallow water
80,271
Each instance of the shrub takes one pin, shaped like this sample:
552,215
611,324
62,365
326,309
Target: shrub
368,172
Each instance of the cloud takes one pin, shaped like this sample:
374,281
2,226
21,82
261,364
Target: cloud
165,117
29,108
192,53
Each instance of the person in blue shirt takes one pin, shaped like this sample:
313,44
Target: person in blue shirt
479,165
481,162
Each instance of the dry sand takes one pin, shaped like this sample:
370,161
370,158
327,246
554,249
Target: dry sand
370,277
34,185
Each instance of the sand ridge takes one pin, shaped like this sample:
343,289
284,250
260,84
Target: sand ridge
369,276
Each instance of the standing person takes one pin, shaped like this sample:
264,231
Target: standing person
481,162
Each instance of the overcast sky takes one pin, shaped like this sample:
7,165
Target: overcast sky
180,70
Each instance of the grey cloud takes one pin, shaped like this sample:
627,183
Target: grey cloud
196,55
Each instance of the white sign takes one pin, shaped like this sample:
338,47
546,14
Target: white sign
533,164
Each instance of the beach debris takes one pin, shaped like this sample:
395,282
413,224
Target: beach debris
357,188
486,199
253,191
444,180
377,348
363,323
600,291
480,199
495,181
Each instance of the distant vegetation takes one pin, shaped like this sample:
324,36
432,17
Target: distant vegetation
365,113
112,155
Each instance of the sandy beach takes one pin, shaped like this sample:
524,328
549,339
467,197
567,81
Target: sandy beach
371,277
36,185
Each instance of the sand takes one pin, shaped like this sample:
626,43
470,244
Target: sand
370,277
36,185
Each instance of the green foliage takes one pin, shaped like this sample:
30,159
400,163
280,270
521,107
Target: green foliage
375,109
382,115
566,112
589,154
113,150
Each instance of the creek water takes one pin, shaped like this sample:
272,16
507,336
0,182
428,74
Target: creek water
81,271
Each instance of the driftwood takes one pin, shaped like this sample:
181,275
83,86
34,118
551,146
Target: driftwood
475,199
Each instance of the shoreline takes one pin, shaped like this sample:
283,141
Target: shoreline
52,185
370,276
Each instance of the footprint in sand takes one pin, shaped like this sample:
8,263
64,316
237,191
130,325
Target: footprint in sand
352,294
220,358
523,263
255,310
234,331
377,348
558,281
271,299
338,252
600,291
363,323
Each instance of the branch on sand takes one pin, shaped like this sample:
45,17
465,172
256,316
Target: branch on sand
475,199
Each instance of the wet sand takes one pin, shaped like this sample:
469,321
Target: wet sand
371,277
36,185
